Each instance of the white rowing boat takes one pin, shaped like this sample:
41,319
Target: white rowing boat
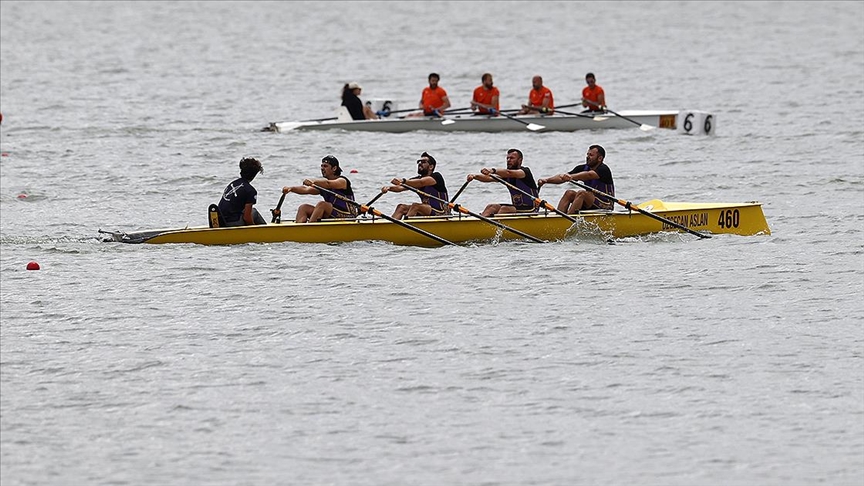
686,122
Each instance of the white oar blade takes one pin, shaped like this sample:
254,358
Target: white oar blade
599,118
448,122
646,128
535,127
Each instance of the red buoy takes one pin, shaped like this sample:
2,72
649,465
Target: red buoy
353,171
32,266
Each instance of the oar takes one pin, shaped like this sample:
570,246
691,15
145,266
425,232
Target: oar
630,206
453,199
537,200
374,198
568,106
642,126
531,126
420,109
464,210
456,111
368,209
581,115
277,213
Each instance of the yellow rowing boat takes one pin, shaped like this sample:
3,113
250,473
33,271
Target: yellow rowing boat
743,219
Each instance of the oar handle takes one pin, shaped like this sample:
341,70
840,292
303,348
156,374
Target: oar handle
631,206
374,199
277,213
453,199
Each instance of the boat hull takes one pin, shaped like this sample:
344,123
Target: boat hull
743,219
467,123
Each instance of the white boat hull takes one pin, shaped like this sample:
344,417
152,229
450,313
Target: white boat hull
644,119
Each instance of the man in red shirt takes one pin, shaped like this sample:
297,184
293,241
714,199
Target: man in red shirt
593,97
434,100
539,99
486,95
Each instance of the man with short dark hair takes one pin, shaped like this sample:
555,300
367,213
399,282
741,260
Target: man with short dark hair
594,173
433,100
485,100
593,96
540,100
239,196
427,180
519,177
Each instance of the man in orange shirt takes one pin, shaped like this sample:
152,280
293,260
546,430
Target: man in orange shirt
593,97
539,99
486,95
434,100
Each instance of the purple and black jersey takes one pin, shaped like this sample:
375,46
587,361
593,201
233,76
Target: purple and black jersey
438,190
521,202
603,184
341,209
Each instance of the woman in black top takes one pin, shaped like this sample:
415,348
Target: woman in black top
351,100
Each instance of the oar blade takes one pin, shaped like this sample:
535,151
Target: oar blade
535,127
448,122
646,128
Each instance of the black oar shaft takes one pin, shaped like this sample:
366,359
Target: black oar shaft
277,213
453,199
531,126
368,209
580,115
465,210
606,108
631,206
374,199
537,200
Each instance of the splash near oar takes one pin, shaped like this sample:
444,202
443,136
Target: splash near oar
633,207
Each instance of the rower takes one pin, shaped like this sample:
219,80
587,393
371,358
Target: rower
521,179
235,205
595,173
428,181
332,206
433,100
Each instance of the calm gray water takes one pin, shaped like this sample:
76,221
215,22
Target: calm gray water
657,361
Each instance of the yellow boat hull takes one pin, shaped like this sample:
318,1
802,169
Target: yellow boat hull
743,219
